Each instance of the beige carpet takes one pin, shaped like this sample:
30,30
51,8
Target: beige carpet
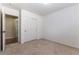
39,47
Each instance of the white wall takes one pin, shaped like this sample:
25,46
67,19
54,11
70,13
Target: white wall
63,26
11,11
30,26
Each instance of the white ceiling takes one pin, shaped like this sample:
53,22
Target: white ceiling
40,8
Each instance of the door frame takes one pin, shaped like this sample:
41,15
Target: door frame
3,28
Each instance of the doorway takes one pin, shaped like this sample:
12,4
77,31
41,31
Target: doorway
11,28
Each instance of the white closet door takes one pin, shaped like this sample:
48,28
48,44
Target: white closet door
28,27
33,28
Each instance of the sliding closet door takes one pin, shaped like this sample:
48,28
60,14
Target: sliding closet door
28,26
33,28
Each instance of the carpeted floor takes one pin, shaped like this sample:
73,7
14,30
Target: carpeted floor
39,47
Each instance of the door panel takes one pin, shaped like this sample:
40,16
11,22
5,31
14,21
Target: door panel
33,28
0,31
3,29
28,27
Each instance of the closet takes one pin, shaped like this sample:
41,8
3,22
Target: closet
11,28
30,26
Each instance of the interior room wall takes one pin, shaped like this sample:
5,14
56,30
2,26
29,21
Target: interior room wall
10,27
63,26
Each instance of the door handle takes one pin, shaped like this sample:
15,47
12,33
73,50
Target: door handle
3,31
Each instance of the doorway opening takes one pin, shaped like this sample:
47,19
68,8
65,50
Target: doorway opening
11,28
